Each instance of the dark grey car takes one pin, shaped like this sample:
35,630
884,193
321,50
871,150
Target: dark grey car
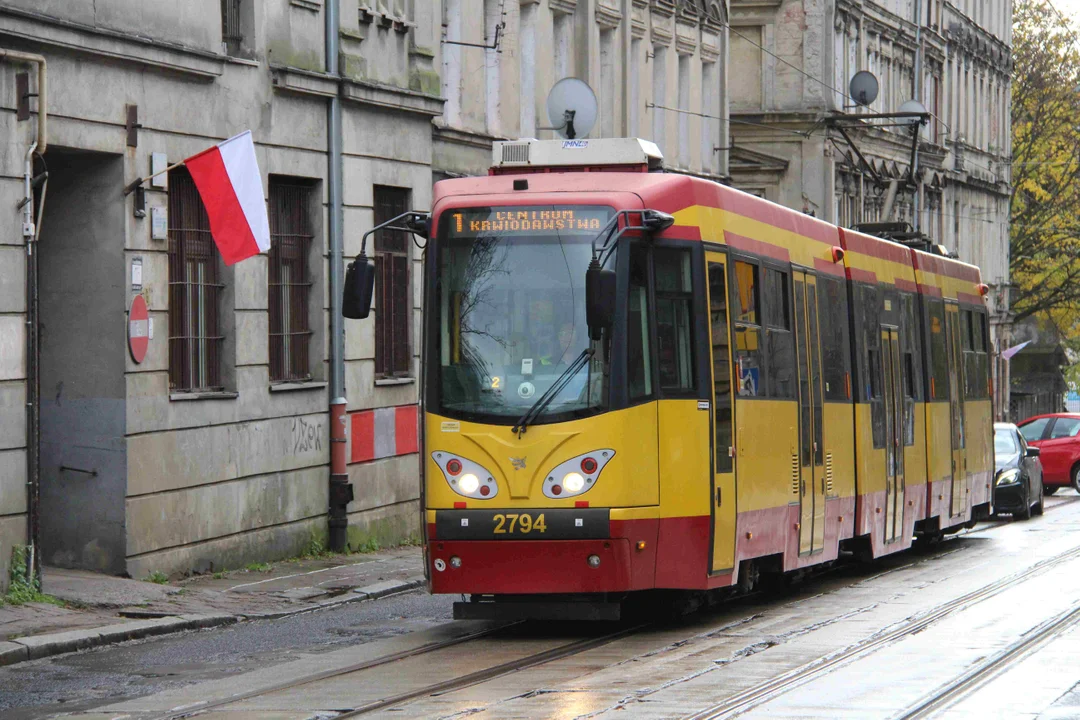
1018,485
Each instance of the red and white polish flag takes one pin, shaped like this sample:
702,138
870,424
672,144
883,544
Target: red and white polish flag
227,177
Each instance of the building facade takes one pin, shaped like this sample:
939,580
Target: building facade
657,67
213,450
795,59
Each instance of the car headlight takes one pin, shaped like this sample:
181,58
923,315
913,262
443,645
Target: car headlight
466,477
577,475
1008,477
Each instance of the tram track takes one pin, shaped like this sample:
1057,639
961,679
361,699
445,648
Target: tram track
985,671
775,687
744,701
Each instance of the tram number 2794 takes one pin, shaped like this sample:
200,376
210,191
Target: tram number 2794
523,523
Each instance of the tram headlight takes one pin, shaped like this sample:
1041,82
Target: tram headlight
465,477
469,483
573,482
1009,477
576,475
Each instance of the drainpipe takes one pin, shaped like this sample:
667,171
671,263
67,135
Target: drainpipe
917,126
33,351
340,490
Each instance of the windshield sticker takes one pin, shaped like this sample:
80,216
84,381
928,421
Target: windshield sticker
526,366
526,390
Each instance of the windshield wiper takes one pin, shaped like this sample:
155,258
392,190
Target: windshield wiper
556,387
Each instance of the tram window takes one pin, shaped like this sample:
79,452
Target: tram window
674,309
911,344
833,312
777,290
746,293
965,331
721,367
978,332
638,360
749,364
870,301
780,344
939,358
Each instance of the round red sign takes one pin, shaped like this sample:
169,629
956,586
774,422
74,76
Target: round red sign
138,329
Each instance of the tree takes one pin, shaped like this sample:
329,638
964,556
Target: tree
1045,210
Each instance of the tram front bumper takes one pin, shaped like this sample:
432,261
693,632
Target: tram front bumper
530,566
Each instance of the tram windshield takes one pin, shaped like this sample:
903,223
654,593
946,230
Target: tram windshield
510,307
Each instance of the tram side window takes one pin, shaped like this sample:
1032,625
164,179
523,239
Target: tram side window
976,362
780,344
718,318
674,309
939,354
910,365
748,356
833,311
873,379
638,359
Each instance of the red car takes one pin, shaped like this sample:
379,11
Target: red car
1057,436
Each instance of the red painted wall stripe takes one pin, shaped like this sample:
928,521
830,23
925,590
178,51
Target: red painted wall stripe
363,437
405,430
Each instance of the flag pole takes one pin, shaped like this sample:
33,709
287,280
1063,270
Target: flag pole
139,181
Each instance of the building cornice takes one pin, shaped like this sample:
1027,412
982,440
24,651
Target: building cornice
48,33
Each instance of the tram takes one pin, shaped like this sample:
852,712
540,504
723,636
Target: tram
635,380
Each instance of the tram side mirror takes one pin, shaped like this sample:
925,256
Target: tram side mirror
1032,452
359,287
599,299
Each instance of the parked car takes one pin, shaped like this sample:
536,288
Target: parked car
1018,478
1057,435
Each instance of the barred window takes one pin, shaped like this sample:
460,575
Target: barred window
234,13
195,338
289,280
393,295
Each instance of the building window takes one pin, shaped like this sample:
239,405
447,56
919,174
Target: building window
289,283
195,339
393,294
237,21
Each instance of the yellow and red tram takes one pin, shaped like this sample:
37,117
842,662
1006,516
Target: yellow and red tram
766,391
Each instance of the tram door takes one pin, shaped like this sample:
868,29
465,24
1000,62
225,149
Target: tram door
894,435
723,500
811,452
956,408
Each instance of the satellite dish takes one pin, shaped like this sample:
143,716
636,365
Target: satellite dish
864,88
572,108
911,106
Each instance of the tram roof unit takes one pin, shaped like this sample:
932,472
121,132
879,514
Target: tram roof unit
605,154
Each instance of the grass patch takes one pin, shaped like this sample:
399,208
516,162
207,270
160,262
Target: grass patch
158,577
23,587
369,546
220,575
259,567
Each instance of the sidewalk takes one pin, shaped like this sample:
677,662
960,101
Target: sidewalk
100,609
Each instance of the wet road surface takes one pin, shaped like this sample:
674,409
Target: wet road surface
862,642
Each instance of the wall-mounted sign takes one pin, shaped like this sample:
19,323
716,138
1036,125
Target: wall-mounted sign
159,223
136,274
138,329
158,162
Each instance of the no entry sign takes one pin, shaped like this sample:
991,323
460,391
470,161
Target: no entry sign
138,329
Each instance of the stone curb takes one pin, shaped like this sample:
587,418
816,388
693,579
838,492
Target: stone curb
368,592
40,646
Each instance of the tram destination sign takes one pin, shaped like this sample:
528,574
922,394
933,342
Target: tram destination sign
514,220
